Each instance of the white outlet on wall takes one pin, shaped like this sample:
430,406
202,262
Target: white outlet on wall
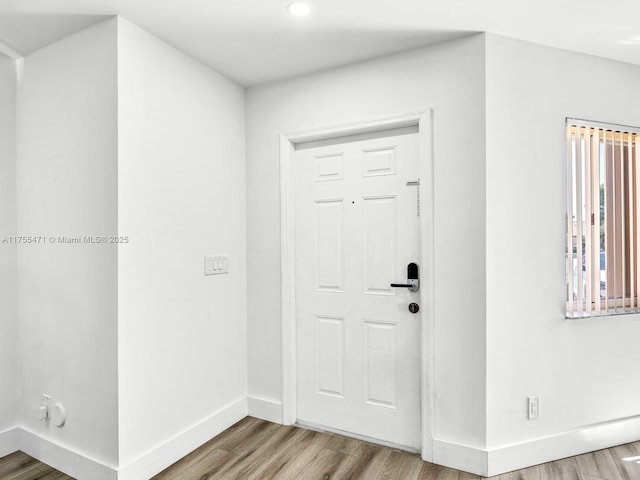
533,408
45,407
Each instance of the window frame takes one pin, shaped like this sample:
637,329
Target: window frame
585,180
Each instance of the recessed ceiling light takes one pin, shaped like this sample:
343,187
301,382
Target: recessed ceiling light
299,9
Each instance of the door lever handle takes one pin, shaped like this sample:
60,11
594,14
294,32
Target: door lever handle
413,279
413,285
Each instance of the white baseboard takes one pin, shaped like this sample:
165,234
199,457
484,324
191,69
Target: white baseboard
566,444
461,457
62,458
506,458
146,466
475,460
265,409
167,453
9,441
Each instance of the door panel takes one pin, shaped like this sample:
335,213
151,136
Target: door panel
379,242
330,356
358,346
329,263
380,363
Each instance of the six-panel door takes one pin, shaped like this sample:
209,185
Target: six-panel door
358,346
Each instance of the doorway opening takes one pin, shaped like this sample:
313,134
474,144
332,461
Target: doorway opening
358,185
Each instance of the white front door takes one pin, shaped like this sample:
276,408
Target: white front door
358,345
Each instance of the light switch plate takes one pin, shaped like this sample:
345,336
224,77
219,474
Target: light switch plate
216,264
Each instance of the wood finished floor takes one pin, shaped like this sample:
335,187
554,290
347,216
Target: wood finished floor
20,466
254,449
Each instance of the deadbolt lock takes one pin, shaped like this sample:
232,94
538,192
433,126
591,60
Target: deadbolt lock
414,307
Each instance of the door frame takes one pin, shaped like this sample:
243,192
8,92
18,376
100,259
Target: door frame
423,119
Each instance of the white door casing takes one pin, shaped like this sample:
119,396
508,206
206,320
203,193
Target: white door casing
386,315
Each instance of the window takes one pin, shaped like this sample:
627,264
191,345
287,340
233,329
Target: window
603,212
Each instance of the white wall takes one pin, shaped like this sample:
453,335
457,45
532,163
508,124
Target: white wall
133,137
449,78
182,336
8,273
585,371
66,185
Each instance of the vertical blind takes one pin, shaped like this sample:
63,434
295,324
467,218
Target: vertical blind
603,207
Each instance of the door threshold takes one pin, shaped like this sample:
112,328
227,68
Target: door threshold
364,438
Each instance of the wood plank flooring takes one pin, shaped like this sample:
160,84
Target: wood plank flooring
253,449
20,466
257,450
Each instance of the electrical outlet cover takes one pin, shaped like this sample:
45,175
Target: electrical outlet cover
533,408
